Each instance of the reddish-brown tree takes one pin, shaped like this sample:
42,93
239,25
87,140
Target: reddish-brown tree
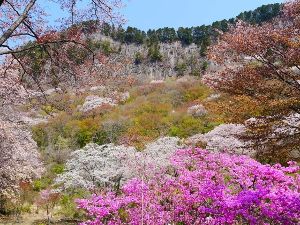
263,63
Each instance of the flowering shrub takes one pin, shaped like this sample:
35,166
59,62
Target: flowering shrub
197,110
206,188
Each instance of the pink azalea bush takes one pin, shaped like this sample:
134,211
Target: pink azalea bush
204,188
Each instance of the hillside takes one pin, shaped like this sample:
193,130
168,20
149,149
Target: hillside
155,54
105,125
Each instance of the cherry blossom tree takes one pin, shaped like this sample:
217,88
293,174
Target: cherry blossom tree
19,159
37,47
109,166
97,167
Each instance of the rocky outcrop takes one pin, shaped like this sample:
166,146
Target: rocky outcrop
123,58
92,102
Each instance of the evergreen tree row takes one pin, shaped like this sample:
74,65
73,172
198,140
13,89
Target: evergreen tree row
200,35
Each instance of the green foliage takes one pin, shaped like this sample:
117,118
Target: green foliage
57,168
261,14
152,37
93,44
180,68
166,35
205,43
106,29
185,35
40,136
101,137
68,206
196,93
48,109
138,58
82,130
42,183
148,115
221,25
77,54
185,126
154,53
200,35
134,35
106,48
204,66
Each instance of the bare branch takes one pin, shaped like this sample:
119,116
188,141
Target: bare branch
17,23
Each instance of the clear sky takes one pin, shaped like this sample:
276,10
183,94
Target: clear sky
149,14
152,14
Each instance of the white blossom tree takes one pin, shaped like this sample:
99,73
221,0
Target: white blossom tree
109,165
19,158
97,166
226,137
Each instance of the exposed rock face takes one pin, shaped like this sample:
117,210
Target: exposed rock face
197,111
223,138
124,59
92,102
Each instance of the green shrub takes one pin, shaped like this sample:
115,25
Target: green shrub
40,135
68,206
196,93
57,168
77,54
138,58
181,68
185,126
101,137
106,48
154,53
41,183
93,45
48,109
204,66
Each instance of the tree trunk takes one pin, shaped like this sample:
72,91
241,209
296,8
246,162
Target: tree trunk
17,23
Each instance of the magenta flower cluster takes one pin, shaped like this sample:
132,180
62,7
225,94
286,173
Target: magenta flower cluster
204,188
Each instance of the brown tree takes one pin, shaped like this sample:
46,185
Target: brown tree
263,63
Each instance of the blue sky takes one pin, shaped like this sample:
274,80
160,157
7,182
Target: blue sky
145,14
152,14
